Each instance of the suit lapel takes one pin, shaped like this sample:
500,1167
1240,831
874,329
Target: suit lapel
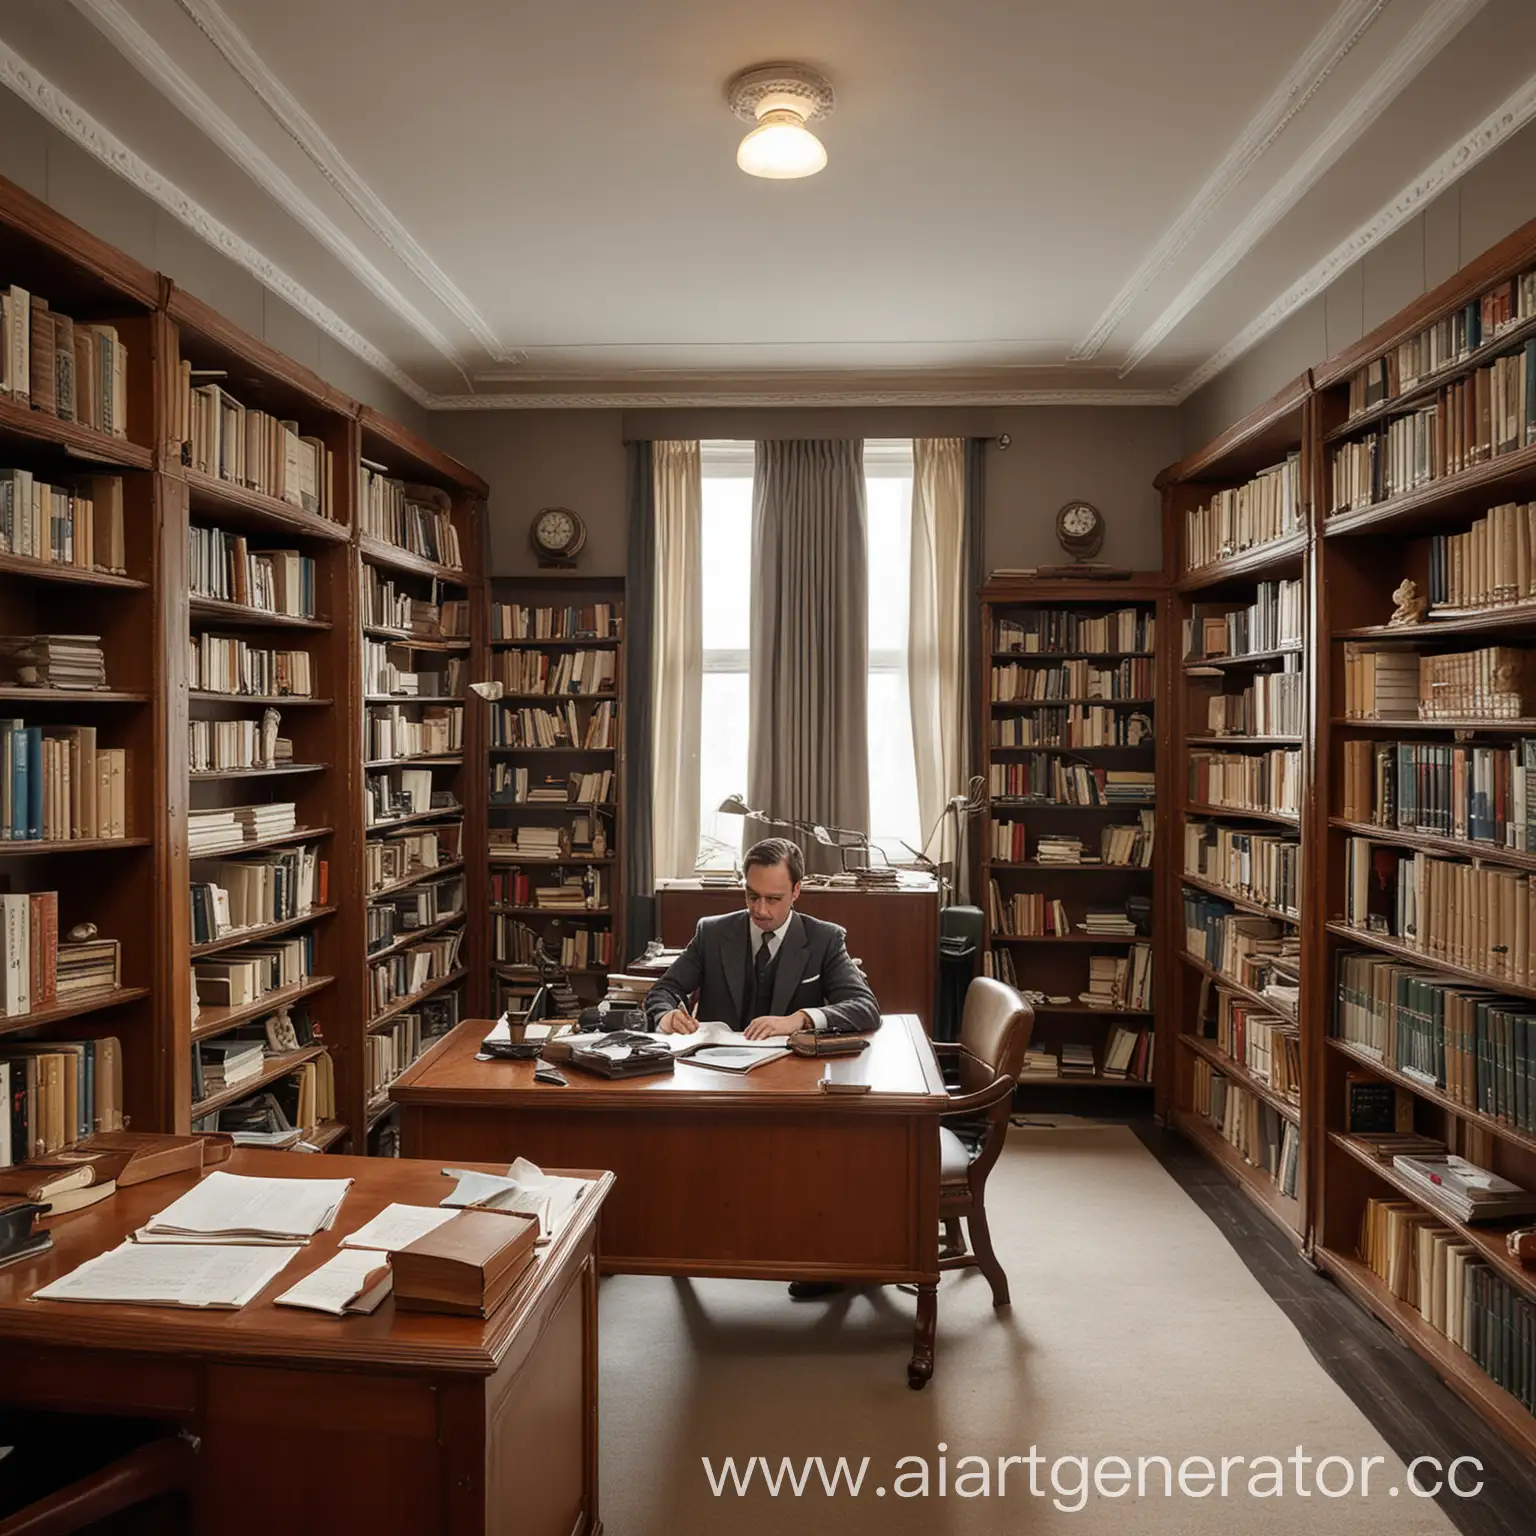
734,949
791,964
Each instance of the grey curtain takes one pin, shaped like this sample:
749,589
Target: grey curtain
639,637
809,735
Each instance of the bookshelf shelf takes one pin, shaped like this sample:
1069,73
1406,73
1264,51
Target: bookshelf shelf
416,935
218,1021
277,700
1428,962
1241,902
1469,491
276,771
1244,741
244,616
421,877
1277,558
1043,658
414,762
1250,659
23,848
396,559
567,643
73,696
553,911
1085,1011
1000,705
405,1004
276,1067
1113,940
236,506
75,1008
1238,813
280,840
1487,853
1230,1066
413,641
1251,1179
326,1135
32,430
1230,984
998,750
413,698
1085,869
497,860
1506,617
257,934
67,575
418,818
1520,727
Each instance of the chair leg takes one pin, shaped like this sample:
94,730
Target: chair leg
920,1366
986,1259
954,1243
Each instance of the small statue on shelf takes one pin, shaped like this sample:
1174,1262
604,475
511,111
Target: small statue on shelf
1410,606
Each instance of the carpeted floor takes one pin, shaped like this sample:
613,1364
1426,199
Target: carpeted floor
1136,1331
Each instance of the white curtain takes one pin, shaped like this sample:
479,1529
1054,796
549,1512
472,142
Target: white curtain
937,650
677,671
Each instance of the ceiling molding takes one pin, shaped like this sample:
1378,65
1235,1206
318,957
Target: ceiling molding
1502,123
805,399
17,75
290,115
1322,56
1432,32
146,55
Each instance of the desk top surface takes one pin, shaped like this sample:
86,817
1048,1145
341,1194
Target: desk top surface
385,1340
900,1066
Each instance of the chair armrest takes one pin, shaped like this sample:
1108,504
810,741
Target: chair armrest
945,1047
161,1467
984,1098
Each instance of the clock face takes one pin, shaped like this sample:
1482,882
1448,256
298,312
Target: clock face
555,529
1078,520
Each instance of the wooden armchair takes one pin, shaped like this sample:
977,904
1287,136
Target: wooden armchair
994,1034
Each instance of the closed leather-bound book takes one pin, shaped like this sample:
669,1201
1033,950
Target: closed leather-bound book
467,1266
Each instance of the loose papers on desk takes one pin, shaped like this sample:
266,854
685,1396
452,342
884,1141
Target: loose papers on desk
354,1280
232,1208
524,1190
194,1275
397,1227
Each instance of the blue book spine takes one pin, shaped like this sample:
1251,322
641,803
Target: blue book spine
34,801
21,800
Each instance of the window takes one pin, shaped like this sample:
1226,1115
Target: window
726,538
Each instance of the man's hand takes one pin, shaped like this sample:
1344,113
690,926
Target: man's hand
771,1024
678,1022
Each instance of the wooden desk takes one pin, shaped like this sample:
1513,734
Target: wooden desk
894,934
394,1422
757,1176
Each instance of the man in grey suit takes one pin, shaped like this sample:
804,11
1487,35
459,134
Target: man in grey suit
769,970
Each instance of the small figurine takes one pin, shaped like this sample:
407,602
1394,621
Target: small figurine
82,933
1410,606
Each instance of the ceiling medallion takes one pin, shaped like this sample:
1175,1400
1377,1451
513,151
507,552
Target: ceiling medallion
781,99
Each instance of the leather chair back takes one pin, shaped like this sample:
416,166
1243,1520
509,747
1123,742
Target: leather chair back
995,1031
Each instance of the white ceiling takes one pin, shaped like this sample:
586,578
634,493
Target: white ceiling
510,202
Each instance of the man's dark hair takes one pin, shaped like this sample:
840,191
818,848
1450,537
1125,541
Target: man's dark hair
776,850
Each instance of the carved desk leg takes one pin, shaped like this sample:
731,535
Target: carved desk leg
920,1366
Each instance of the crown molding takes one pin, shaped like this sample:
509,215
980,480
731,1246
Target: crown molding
796,398
1428,37
157,66
17,75
1306,76
1518,109
322,152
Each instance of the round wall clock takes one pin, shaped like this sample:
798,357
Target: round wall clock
1080,529
557,535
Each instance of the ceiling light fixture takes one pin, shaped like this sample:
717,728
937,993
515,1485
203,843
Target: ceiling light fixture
781,99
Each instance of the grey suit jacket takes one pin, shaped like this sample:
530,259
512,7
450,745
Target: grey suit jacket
814,971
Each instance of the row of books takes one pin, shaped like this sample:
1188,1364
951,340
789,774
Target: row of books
389,604
223,566
1479,917
397,792
1129,1054
1247,781
584,949
1475,1047
1437,1272
1483,417
555,727
79,524
415,518
1123,844
249,448
519,621
421,906
1268,1044
1050,780
223,829
1257,866
1075,725
1227,940
75,662
1491,565
54,1093
1447,342
1265,509
408,971
403,855
398,669
516,785
297,1101
224,664
582,672
1477,794
58,785
1120,981
394,1046
65,368
37,971
1260,1134
1273,621
574,888
238,977
1494,682
1132,678
1272,704
1026,914
250,893
392,733
221,746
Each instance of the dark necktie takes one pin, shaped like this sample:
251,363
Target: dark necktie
760,962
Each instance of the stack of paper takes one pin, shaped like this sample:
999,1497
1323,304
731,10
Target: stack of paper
524,1190
354,1280
397,1227
186,1276
229,1208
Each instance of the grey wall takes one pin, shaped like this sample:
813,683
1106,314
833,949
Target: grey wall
36,156
1106,455
1494,198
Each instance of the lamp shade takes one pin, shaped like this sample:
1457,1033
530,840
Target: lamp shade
781,148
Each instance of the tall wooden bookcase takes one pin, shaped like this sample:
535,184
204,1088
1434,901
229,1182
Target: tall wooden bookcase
157,633
1237,532
1068,671
540,629
1390,982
